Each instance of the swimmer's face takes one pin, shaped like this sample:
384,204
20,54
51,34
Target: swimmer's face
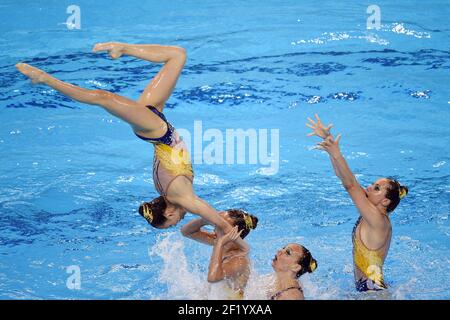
287,258
376,192
173,214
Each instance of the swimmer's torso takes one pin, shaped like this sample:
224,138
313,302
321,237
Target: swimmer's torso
368,264
236,284
171,157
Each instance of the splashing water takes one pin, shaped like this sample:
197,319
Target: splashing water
181,281
184,280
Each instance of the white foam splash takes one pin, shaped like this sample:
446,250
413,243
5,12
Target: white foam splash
182,281
396,27
420,94
399,28
96,83
439,164
342,36
258,286
314,99
267,171
402,290
245,193
207,179
125,179
373,38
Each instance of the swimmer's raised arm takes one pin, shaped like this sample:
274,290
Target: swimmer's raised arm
216,271
348,179
331,146
193,230
323,132
318,128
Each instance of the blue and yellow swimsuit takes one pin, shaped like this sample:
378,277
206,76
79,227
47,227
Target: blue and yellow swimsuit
171,158
368,262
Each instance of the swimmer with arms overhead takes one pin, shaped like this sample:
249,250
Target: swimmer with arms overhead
372,232
229,264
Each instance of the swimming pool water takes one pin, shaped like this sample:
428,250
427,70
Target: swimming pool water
72,176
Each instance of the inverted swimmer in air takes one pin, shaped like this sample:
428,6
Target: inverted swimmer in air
373,230
172,169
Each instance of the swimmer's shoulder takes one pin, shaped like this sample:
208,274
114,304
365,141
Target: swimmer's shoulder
292,294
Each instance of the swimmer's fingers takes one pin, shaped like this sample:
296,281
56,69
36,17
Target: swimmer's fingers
312,122
338,138
319,146
324,145
314,133
230,235
329,128
317,118
235,234
238,234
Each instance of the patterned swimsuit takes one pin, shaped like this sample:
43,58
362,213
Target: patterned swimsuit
171,158
369,263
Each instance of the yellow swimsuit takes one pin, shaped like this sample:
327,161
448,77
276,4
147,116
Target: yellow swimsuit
369,262
171,157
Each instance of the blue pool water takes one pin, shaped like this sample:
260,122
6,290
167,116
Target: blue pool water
72,176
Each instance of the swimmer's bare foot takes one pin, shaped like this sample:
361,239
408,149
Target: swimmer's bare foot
115,49
36,75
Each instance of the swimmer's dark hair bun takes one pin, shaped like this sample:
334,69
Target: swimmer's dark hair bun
312,266
244,220
254,221
403,191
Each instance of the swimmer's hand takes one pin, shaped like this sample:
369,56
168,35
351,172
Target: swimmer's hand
330,145
318,128
233,235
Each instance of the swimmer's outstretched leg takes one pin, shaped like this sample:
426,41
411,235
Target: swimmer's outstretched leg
140,118
161,86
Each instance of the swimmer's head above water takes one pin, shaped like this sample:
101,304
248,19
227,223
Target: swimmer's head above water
240,218
386,192
294,259
161,214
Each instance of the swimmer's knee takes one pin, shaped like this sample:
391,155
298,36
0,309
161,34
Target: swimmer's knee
179,53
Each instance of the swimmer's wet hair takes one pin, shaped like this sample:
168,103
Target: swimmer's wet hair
243,220
307,262
153,211
395,192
